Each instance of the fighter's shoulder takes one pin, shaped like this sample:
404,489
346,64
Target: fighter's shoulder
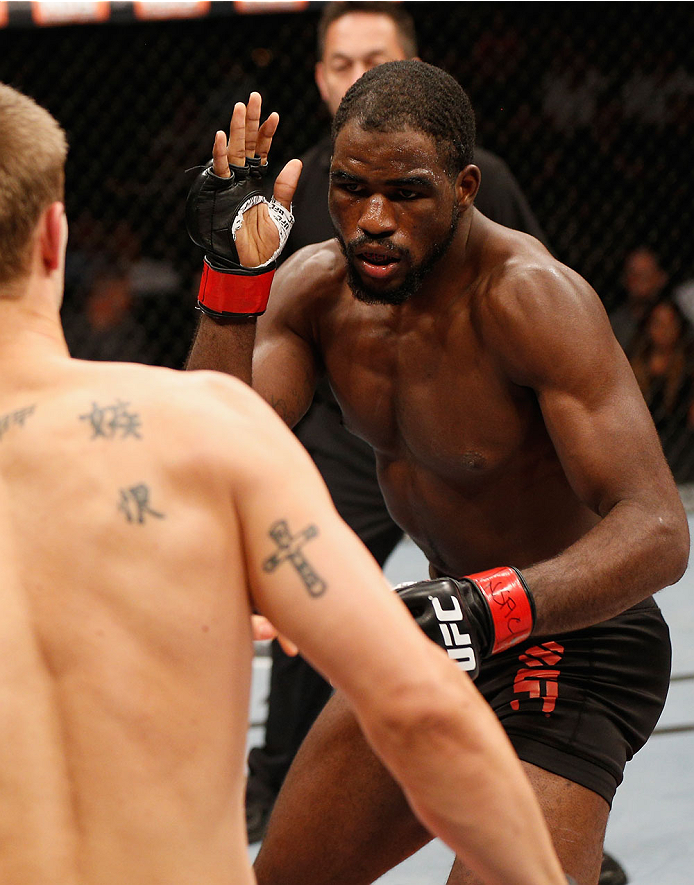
313,272
213,398
241,430
215,418
526,280
173,398
537,314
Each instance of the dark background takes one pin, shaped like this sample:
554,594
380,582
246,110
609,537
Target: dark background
591,105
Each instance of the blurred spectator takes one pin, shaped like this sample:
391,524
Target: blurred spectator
120,303
571,91
657,84
662,355
105,328
644,281
149,276
85,252
683,294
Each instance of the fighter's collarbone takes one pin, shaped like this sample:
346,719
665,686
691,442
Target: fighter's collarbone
436,402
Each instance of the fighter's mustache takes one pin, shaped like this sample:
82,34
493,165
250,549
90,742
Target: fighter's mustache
368,245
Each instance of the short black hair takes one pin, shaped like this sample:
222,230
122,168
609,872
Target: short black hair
401,18
401,94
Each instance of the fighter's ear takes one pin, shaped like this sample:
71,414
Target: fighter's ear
467,184
52,235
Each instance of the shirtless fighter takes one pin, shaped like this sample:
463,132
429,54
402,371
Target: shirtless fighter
513,446
149,512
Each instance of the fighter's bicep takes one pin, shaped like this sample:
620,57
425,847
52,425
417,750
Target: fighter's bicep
284,372
287,517
563,348
602,431
315,581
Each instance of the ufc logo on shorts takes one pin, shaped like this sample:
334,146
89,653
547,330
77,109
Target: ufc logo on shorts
458,645
537,677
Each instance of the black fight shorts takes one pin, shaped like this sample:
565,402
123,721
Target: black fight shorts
581,704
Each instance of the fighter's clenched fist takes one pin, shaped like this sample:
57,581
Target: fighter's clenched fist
475,616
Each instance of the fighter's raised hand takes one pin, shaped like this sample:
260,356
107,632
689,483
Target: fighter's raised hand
228,215
247,138
257,238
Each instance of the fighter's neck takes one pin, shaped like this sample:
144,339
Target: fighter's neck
30,328
456,270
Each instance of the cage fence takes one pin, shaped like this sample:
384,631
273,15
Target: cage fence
590,105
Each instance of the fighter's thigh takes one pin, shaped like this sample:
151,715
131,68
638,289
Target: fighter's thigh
576,818
340,818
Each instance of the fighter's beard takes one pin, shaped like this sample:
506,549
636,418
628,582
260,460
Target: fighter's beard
413,280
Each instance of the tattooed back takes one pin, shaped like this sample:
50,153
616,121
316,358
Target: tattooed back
121,502
149,512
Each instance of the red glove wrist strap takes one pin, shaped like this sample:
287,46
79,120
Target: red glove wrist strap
234,293
510,605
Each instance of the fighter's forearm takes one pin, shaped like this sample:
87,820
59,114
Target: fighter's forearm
468,788
632,553
224,346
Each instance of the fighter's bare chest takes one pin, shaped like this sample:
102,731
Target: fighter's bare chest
428,392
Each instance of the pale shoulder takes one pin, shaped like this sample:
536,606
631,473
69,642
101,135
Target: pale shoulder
186,400
236,412
234,427
170,388
214,398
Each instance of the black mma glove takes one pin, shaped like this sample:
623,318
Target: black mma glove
475,616
214,212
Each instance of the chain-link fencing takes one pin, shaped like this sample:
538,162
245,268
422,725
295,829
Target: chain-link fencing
590,104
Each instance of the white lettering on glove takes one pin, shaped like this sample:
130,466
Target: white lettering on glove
282,219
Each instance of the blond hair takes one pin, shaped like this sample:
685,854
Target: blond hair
33,149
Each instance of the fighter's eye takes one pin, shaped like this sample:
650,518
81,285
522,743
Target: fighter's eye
351,187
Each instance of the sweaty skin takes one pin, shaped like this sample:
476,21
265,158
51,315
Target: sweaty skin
144,514
508,429
447,423
149,512
507,424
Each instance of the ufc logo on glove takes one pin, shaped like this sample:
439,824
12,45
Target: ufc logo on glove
457,644
472,617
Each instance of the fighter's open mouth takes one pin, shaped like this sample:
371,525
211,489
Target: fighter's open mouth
378,259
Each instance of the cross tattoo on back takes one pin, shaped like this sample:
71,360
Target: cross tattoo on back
290,549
